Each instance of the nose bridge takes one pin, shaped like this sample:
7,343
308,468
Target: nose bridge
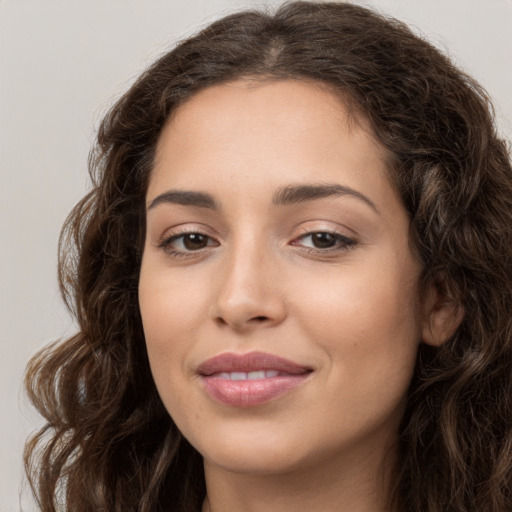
248,292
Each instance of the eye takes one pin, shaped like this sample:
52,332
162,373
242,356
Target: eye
183,243
324,240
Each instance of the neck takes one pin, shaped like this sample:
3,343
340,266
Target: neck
358,483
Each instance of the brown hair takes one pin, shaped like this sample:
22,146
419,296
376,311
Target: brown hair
109,443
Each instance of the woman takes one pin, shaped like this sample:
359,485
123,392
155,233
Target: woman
292,281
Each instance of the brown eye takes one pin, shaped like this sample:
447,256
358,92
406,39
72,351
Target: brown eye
324,240
184,243
195,241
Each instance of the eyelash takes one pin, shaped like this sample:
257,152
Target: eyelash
166,244
342,243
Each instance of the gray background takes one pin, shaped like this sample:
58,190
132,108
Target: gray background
62,62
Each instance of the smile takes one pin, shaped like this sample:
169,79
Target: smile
256,375
248,380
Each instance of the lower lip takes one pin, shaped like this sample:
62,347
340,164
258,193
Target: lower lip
249,393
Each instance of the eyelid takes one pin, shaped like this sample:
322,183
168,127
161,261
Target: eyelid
176,236
166,241
185,229
343,242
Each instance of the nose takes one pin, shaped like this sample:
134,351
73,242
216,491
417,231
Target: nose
249,291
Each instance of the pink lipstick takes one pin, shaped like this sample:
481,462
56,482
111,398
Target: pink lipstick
247,380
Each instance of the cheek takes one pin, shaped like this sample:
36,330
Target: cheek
169,300
168,322
374,301
366,322
169,310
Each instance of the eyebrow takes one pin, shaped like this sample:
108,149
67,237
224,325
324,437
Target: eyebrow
301,193
291,194
185,198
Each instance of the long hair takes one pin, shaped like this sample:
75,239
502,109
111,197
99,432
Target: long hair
109,443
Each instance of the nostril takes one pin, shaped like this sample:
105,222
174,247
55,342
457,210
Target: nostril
256,319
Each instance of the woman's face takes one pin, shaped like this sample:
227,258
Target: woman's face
278,288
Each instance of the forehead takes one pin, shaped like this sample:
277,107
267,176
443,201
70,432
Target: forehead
247,134
300,103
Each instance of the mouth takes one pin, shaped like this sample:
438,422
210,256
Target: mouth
248,380
255,375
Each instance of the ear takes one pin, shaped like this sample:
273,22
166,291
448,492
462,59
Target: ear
442,316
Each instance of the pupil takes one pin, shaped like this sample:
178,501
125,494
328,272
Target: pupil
323,240
194,241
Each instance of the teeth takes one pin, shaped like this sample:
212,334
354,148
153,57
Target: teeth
256,375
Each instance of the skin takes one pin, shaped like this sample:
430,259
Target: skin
352,312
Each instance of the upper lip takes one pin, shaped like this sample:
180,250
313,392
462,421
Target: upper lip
252,361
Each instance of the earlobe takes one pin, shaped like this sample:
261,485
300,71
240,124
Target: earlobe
442,318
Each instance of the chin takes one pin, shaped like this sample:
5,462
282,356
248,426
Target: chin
255,451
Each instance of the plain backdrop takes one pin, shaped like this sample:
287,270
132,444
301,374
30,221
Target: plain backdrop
62,63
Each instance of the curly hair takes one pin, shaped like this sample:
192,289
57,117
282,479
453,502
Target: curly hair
109,444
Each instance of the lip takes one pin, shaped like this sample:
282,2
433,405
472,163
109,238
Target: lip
249,393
